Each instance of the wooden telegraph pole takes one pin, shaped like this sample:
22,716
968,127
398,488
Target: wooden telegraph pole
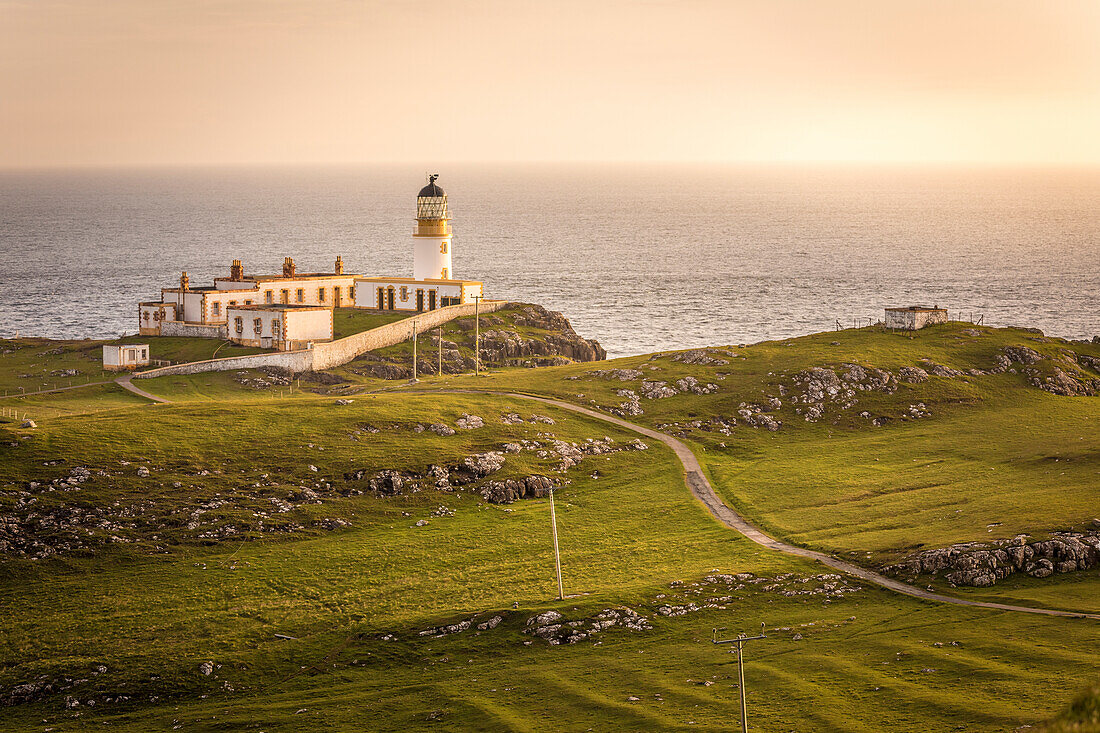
740,641
414,349
477,335
439,373
557,555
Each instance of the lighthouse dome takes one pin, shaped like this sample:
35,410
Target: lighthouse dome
430,191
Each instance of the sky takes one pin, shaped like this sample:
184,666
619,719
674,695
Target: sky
272,82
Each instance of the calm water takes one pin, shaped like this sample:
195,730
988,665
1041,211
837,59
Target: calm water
642,258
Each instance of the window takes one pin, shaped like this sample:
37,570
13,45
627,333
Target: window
443,248
351,293
238,324
216,309
249,302
144,354
444,274
268,296
301,295
146,315
284,296
320,295
258,325
275,327
232,303
404,293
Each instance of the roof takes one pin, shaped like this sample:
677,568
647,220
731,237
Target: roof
434,281
283,278
278,307
158,303
918,309
431,191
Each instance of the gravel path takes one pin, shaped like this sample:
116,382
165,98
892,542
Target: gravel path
126,383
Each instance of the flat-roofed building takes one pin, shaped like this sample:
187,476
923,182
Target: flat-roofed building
915,317
279,326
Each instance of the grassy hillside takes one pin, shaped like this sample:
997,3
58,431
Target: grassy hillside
209,529
989,456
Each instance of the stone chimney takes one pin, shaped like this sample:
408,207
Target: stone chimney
339,268
185,282
236,272
288,267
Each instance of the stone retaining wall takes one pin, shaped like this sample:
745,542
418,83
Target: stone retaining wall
295,361
334,353
329,354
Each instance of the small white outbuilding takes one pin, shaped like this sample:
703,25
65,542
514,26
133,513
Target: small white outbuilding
915,317
125,357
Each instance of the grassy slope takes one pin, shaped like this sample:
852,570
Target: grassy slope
156,608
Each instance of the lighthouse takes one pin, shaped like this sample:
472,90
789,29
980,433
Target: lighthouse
432,237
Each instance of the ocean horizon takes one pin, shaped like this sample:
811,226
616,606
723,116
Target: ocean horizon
640,257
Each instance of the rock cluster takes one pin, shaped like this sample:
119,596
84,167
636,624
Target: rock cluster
623,375
263,379
983,564
702,356
510,490
554,629
716,591
1063,376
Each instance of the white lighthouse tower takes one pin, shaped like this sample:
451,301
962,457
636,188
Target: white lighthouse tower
432,238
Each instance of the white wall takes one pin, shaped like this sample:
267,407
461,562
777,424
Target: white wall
111,356
366,292
308,325
429,262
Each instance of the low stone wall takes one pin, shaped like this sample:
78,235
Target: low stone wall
295,361
193,330
329,354
334,353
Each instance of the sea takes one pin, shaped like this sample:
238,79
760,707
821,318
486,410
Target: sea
642,258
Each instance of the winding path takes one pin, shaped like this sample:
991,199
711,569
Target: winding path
126,383
701,488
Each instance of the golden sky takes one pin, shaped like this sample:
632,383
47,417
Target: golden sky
200,82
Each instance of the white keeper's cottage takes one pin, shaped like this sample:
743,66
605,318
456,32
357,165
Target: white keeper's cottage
291,310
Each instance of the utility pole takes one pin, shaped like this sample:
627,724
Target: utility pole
477,335
740,641
439,373
557,555
414,349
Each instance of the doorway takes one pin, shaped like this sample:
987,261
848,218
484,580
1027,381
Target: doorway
389,299
419,300
431,300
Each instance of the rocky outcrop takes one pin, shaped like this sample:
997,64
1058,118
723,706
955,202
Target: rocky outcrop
511,490
983,564
519,335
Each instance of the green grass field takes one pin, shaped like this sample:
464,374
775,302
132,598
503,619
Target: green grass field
162,599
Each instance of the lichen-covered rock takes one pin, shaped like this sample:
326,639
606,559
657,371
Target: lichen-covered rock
699,356
654,390
983,564
482,464
912,375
